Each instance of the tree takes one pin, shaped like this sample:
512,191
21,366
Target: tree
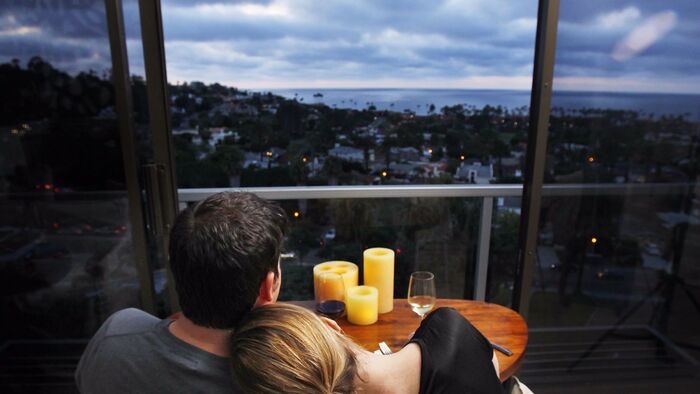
229,159
289,116
365,143
332,168
304,237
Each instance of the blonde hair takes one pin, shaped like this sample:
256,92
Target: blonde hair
283,348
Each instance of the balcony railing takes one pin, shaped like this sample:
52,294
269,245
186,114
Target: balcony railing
485,192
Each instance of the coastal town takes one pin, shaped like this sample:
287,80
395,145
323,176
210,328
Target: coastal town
245,138
225,137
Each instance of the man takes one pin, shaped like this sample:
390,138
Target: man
224,256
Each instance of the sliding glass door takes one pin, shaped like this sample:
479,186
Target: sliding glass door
78,234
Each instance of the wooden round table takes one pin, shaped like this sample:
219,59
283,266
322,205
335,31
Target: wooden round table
499,324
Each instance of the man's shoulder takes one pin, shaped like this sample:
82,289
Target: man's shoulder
127,322
110,354
134,352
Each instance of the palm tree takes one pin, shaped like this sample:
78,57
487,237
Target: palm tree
365,143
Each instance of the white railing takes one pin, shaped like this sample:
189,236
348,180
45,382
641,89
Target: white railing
485,192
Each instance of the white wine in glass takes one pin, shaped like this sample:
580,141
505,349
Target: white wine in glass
421,292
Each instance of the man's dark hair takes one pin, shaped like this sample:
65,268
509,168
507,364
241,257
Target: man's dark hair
221,249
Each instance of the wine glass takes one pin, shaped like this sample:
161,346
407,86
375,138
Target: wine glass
331,295
421,292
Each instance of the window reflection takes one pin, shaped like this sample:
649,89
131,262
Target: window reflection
66,256
616,278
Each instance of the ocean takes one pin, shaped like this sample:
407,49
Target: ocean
419,100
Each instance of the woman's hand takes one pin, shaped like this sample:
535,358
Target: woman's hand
494,360
332,324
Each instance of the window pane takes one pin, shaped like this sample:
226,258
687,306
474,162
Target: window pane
325,93
616,284
66,260
503,252
434,234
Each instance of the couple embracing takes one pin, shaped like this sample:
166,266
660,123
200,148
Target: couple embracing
233,337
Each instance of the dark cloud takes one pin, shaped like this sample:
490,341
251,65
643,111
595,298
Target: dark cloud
589,33
71,35
294,42
67,19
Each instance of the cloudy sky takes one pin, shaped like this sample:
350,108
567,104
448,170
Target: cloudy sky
603,45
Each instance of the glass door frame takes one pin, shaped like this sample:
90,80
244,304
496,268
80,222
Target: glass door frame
536,153
152,206
164,205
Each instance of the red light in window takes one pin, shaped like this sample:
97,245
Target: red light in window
123,228
55,226
47,186
56,190
398,250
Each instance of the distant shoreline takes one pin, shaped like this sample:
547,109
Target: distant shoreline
557,91
419,100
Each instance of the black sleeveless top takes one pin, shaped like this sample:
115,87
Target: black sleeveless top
455,357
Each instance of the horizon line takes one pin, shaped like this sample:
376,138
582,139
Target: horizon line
494,82
257,89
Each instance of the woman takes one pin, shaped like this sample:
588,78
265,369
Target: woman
284,348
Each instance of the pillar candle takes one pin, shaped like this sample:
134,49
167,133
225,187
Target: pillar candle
346,269
361,305
379,273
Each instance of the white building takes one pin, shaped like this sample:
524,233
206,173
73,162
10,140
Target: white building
347,153
475,173
219,134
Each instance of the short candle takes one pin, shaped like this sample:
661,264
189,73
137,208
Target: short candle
362,305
